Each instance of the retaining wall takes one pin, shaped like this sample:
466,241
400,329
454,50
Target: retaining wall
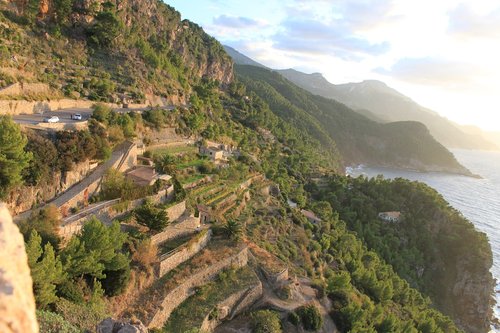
178,295
276,278
185,252
176,211
15,107
232,306
184,227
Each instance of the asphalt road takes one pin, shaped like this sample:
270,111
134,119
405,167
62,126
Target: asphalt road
65,115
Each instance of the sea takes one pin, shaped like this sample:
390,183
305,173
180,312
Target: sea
477,199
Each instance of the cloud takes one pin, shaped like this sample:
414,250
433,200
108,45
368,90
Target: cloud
464,22
437,72
237,22
325,38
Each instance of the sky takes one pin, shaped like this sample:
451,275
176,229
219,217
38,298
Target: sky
444,54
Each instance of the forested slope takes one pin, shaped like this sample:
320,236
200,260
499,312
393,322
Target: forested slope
359,139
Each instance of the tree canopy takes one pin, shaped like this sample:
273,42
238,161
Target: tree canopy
13,158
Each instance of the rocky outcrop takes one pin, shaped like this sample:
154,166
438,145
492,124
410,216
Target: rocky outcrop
201,53
25,197
17,303
109,325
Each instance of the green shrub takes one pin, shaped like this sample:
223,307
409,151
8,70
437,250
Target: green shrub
156,219
51,322
84,316
266,321
311,317
294,318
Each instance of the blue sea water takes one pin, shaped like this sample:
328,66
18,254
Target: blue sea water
477,199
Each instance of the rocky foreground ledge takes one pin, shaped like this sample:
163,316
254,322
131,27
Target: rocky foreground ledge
17,303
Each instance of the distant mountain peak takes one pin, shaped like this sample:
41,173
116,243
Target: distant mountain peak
240,58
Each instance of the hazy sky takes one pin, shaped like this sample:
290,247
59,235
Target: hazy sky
444,54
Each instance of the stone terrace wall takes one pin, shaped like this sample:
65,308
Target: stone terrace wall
176,211
275,278
178,295
187,251
187,226
204,180
232,306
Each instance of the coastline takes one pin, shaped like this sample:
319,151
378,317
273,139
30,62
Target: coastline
477,198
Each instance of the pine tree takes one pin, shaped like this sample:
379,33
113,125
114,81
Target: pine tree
95,251
156,219
13,158
46,270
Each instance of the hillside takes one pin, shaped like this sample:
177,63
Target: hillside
359,139
106,51
227,209
388,105
240,58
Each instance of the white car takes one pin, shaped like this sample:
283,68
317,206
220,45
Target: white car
53,119
76,116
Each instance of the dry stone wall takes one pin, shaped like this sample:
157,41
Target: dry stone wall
169,262
184,227
178,295
106,213
176,211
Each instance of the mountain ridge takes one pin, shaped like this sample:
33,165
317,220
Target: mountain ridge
389,105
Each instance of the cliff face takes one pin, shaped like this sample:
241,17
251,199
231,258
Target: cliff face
463,282
184,37
17,303
469,293
25,197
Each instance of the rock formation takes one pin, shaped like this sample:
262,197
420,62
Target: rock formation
17,303
109,325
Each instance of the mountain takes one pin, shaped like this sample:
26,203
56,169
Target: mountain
403,144
388,105
107,51
240,58
128,260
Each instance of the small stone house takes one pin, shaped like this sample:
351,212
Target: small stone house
204,213
214,153
390,216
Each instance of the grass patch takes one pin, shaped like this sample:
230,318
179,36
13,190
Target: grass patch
174,150
191,178
193,163
173,244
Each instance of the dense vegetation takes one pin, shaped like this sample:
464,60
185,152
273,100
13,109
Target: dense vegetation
429,247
